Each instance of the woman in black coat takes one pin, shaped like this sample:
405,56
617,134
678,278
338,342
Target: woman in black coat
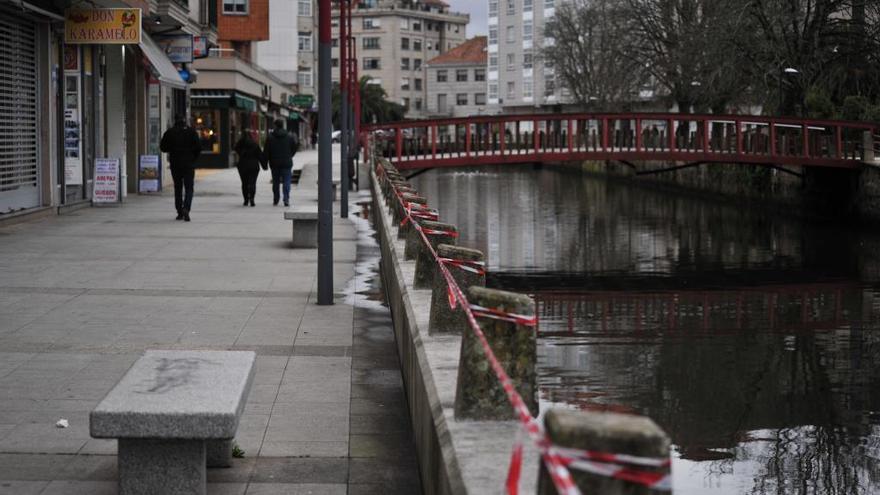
248,165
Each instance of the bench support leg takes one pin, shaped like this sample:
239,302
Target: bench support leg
218,453
170,467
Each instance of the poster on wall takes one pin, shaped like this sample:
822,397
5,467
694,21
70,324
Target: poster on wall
106,181
148,174
73,173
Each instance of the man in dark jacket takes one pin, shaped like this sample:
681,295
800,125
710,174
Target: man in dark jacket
183,147
278,154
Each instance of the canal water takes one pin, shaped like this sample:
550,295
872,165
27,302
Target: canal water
751,338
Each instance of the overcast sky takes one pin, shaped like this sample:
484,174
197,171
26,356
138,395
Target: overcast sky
478,9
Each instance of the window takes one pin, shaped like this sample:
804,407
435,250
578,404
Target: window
404,63
404,23
207,126
304,8
430,45
371,23
369,4
304,77
235,7
527,30
527,5
404,43
305,41
334,62
511,6
511,34
461,75
461,99
480,98
441,75
527,59
417,26
371,43
334,42
441,103
511,61
372,64
418,84
511,89
549,84
480,74
404,83
493,35
549,4
493,90
417,64
418,105
493,61
406,103
493,8
528,88
417,45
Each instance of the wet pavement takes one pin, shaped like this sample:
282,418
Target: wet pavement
82,295
752,338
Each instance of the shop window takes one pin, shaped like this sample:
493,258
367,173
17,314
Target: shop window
208,128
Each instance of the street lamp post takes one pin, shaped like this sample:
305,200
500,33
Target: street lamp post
343,106
325,159
782,74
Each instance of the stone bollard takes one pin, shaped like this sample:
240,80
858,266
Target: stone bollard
478,393
394,188
444,319
425,262
611,433
399,213
414,241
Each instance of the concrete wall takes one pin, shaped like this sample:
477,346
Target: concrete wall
455,457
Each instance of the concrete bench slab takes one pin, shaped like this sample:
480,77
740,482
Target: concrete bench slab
164,411
304,229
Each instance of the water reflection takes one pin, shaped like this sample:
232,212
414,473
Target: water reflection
751,339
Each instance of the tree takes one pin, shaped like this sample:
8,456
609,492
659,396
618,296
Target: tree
375,107
587,52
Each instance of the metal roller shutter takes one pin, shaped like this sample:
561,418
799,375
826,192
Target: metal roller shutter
19,175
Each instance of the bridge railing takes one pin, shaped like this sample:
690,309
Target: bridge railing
646,136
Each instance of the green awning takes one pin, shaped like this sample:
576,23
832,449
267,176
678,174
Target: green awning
244,102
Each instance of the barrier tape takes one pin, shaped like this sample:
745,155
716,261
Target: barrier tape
450,233
497,314
556,459
477,267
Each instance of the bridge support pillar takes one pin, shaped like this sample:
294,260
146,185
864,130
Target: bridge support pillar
437,233
444,319
611,433
478,394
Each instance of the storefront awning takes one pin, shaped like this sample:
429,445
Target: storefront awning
167,72
245,103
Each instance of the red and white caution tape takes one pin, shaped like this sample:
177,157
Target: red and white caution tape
497,314
477,267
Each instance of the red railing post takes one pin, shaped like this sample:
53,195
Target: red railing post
772,138
839,136
604,133
739,137
501,130
570,136
706,129
638,134
670,126
535,137
398,138
467,139
806,135
434,141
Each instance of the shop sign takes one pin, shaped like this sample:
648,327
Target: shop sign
178,48
200,47
106,181
102,26
303,101
148,174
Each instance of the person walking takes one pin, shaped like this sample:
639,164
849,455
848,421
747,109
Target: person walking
278,153
183,147
248,165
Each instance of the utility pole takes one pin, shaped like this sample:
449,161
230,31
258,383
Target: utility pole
344,109
325,159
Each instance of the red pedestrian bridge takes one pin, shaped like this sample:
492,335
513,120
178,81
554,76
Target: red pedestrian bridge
625,137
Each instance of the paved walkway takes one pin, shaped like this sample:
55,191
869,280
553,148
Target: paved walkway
82,295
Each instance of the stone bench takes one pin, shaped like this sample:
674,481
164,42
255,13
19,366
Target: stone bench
174,413
304,230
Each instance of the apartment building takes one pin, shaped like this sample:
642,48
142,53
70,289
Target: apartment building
517,80
395,39
457,81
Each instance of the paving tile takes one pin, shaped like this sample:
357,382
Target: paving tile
81,488
294,470
13,487
275,448
296,489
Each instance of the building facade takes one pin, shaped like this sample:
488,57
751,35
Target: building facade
394,41
456,81
517,80
80,99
